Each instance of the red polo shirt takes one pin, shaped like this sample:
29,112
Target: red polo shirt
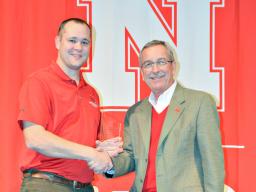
51,99
156,128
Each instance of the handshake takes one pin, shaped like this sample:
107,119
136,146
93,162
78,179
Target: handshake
101,161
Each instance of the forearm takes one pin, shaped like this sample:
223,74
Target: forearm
123,163
49,144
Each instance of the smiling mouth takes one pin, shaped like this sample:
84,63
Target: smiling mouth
156,77
76,56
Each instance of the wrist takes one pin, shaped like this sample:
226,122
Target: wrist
89,154
110,173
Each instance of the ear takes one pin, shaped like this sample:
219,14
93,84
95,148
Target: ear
57,42
174,68
142,75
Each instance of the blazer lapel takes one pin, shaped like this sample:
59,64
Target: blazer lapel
175,109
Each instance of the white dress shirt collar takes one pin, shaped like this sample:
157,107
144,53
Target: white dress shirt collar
163,100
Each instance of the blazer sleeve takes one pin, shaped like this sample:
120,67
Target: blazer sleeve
209,141
124,162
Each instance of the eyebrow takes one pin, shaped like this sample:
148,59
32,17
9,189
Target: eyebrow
75,37
161,58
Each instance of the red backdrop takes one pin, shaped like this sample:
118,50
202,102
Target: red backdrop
28,29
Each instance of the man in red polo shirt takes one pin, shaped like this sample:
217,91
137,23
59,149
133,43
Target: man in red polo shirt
171,138
59,114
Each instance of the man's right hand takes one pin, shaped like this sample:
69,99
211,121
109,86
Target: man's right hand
101,162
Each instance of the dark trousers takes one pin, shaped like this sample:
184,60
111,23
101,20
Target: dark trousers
31,184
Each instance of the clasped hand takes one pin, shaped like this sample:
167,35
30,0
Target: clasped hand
104,150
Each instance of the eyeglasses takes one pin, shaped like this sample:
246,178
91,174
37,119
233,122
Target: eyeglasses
159,63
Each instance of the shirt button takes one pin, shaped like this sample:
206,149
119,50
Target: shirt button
141,180
73,82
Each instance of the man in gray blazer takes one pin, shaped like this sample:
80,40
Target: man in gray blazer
171,138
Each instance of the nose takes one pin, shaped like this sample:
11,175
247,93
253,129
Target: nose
78,46
155,67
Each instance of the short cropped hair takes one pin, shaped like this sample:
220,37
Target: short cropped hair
76,20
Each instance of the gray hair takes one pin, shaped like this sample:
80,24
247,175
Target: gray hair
158,42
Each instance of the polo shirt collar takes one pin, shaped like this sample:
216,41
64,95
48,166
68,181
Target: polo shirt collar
60,73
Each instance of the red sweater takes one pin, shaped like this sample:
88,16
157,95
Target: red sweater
156,127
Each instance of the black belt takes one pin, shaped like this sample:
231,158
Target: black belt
55,178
